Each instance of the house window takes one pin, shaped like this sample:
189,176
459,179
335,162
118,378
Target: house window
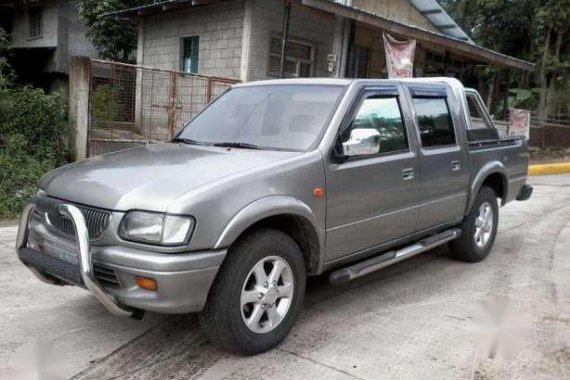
190,54
298,59
35,22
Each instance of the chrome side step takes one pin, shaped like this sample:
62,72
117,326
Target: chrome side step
362,268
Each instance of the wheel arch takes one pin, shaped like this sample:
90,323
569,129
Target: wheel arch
283,213
493,174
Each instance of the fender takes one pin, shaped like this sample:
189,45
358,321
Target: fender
264,208
489,168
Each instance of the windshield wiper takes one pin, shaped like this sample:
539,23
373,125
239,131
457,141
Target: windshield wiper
188,141
241,145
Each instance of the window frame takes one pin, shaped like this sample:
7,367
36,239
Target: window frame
183,51
434,95
480,107
298,61
35,14
366,93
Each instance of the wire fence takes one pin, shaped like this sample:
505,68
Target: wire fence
134,105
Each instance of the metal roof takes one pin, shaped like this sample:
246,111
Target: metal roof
435,13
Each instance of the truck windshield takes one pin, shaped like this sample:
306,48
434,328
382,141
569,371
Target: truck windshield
275,117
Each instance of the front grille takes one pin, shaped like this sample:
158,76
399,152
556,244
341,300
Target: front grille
96,220
105,276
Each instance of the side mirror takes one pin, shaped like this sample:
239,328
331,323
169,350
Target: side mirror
361,142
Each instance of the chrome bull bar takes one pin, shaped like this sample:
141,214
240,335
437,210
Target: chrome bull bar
84,253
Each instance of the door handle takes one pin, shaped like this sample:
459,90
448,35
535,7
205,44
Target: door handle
408,174
455,165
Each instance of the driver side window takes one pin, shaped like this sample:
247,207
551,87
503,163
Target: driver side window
381,114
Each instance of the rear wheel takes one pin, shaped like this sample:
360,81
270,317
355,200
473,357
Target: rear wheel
257,296
479,228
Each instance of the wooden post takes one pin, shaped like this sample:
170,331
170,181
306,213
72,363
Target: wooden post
79,88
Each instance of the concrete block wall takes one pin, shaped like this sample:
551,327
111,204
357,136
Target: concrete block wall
306,24
219,26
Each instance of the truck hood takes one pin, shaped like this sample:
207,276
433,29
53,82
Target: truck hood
150,177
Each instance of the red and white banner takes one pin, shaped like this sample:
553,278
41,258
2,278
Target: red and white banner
519,122
399,56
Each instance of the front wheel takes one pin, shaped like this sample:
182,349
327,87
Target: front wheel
257,296
479,228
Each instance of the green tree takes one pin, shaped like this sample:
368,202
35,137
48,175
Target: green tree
5,70
534,30
114,38
33,129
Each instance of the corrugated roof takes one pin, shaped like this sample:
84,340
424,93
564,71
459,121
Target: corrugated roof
435,13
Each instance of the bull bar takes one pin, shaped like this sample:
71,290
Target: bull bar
83,249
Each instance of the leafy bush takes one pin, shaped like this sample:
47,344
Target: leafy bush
32,142
105,106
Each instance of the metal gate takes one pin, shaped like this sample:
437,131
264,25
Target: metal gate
135,105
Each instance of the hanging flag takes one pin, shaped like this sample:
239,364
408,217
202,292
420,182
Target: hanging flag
399,56
519,122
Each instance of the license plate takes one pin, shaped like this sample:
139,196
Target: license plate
61,252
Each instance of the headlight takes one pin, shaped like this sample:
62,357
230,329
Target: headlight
154,228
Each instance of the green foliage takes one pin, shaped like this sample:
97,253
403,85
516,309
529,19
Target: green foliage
32,142
115,38
5,70
533,30
523,98
104,106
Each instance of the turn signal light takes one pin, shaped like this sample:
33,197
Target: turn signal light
318,192
146,283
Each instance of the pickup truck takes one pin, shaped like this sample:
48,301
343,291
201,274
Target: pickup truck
275,181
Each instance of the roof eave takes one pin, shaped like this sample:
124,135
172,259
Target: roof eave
475,52
163,6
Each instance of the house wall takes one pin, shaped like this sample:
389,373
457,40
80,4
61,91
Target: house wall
63,31
77,42
305,24
398,10
21,28
220,27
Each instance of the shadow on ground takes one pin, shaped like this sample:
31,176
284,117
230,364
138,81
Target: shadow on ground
177,348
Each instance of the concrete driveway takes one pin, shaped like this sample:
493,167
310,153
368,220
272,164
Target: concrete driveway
428,318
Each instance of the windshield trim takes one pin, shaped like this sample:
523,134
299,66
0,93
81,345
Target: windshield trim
319,136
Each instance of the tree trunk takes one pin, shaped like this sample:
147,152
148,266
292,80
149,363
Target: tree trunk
551,98
542,111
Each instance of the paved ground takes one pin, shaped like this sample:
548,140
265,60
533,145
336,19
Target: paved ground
427,318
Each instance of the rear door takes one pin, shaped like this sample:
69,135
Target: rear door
372,199
443,163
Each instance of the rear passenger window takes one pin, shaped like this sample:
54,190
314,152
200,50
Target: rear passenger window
434,122
382,114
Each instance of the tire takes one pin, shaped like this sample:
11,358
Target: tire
241,280
478,236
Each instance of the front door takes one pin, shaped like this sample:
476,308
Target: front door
372,198
444,174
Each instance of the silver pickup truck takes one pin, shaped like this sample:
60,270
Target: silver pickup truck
273,182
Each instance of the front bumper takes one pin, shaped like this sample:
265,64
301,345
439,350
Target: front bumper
108,272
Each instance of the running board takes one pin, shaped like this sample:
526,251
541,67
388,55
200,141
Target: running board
362,268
